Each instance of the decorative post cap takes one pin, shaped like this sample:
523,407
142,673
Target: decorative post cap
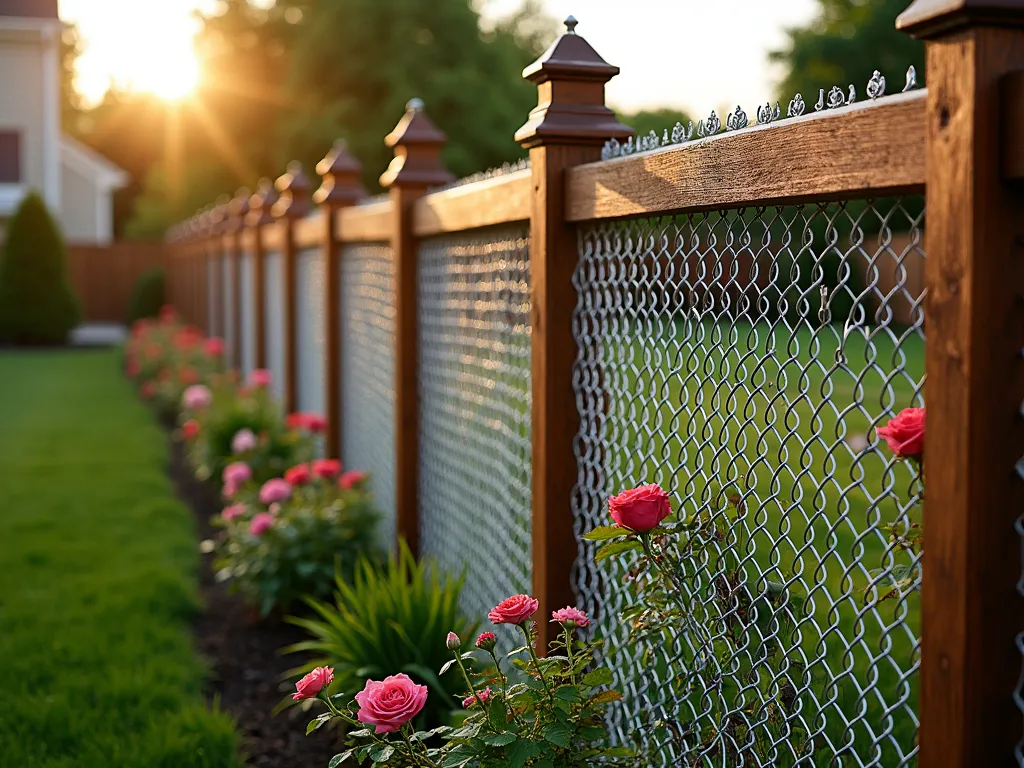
294,187
239,208
570,78
417,143
932,18
340,171
261,204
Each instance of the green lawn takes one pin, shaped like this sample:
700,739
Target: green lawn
97,578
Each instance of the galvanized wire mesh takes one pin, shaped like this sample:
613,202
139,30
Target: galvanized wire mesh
212,294
227,286
273,319
309,359
247,301
742,360
367,355
474,372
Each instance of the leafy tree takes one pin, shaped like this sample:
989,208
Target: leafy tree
37,305
844,44
148,295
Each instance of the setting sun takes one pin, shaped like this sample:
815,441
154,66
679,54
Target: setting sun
144,47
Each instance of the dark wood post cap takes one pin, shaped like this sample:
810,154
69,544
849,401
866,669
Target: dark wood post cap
570,78
926,19
261,204
295,188
238,209
340,172
417,143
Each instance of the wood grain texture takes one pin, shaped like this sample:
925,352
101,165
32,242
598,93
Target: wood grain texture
259,304
367,223
864,150
970,609
309,232
501,200
290,335
1012,109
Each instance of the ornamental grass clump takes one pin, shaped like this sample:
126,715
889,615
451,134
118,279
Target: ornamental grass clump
281,542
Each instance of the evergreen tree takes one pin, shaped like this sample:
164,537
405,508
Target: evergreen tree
37,305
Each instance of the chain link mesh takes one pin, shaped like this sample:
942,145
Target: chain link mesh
273,308
309,282
367,371
474,369
742,360
248,309
227,282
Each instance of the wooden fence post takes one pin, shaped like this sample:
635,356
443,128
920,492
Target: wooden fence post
215,252
415,168
260,215
194,239
341,187
971,611
293,205
568,127
238,209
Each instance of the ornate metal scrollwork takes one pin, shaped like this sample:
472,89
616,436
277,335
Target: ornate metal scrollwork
851,96
876,85
680,134
736,119
911,79
820,104
796,107
767,114
709,127
836,98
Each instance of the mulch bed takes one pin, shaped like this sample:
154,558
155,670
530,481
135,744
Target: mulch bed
243,654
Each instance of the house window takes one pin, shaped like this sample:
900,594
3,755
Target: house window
10,157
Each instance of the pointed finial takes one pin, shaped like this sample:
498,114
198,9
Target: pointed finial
414,105
911,79
570,25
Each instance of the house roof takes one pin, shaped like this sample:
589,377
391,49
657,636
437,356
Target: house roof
29,9
91,164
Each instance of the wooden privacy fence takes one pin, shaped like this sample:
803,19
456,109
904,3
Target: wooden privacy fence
731,315
104,276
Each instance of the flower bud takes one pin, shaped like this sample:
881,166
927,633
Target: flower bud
453,642
486,641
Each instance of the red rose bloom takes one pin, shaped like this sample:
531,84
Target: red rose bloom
190,429
326,468
904,434
514,610
640,509
298,475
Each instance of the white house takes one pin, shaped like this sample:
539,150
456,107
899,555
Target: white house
76,182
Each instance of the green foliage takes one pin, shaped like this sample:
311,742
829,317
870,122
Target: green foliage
844,44
317,534
37,305
657,120
390,620
97,664
147,296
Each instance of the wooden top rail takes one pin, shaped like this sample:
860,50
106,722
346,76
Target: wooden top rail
500,200
365,223
310,231
868,149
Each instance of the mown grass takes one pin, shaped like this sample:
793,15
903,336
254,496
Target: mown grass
97,579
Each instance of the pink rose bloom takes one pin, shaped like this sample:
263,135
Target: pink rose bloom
233,512
640,509
390,703
352,479
236,473
197,397
470,700
571,617
326,468
310,685
260,523
214,347
905,433
514,610
277,489
243,441
486,641
229,490
259,378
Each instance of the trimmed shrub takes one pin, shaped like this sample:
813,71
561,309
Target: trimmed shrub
147,295
37,305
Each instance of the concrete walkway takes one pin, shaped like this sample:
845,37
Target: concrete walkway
98,335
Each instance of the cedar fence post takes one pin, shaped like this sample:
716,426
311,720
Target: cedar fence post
341,187
239,209
293,205
971,611
261,205
568,127
415,168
